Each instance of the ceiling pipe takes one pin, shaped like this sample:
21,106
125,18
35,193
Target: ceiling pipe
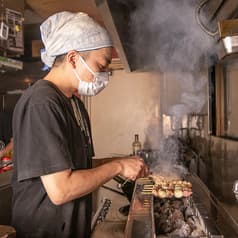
203,27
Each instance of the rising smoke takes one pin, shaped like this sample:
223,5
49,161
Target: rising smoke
167,36
169,156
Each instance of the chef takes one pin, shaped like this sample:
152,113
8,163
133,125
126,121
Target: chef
53,176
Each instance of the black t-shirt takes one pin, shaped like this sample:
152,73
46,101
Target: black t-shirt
48,139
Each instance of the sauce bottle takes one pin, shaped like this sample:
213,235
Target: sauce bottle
136,145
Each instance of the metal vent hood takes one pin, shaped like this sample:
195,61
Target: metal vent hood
223,16
116,17
228,32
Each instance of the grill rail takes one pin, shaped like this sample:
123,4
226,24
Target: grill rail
140,221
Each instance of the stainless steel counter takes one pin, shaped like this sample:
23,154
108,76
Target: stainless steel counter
218,176
114,223
109,229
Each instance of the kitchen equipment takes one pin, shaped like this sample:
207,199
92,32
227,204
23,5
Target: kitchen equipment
140,221
141,218
126,185
235,189
228,30
3,31
149,156
5,164
101,212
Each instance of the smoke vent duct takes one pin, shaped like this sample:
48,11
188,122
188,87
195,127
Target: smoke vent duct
228,32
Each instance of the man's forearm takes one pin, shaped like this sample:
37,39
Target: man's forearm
68,185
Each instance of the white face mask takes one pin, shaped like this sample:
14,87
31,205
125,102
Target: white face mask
100,81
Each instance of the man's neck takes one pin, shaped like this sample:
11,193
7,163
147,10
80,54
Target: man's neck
60,80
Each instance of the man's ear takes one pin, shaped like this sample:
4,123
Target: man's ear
72,57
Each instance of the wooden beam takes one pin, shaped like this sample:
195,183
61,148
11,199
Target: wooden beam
220,100
228,28
45,8
14,5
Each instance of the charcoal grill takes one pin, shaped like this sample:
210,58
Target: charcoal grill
141,222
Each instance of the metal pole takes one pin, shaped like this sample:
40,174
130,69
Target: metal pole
3,102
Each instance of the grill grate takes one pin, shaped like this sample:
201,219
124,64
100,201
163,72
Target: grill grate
141,224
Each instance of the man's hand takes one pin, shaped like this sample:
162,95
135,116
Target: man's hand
133,167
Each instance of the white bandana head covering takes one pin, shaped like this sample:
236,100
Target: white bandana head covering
65,31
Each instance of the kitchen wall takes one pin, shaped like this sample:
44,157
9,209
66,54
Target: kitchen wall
218,166
129,105
219,155
232,97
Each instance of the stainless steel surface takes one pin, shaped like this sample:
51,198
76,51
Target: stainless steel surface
140,221
115,16
101,213
235,189
201,195
228,32
217,214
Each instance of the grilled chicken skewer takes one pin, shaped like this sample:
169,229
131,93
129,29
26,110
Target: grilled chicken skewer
170,187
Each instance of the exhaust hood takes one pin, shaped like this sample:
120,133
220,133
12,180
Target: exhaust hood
116,17
228,32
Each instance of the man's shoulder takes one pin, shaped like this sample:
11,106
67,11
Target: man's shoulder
42,92
40,99
44,89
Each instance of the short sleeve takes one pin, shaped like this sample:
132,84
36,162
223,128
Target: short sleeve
41,141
